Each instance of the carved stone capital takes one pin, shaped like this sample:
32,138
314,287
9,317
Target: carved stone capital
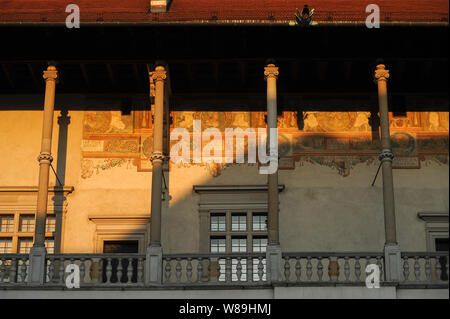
51,73
271,71
386,155
156,156
381,74
45,158
160,74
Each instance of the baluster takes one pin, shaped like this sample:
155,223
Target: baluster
298,269
357,269
119,270
2,269
140,270
51,269
100,271
346,269
287,269
129,270
380,267
416,268
199,269
108,270
260,269
438,269
238,269
406,267
13,270
189,269
168,269
319,268
178,270
61,270
82,270
228,271
309,268
428,268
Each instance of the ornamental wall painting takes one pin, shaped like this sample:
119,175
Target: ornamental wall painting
339,140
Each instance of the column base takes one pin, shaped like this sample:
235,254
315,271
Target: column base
153,265
392,263
273,263
37,270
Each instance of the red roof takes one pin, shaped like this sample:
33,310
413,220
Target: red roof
196,10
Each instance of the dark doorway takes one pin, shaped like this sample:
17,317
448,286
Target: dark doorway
120,247
442,245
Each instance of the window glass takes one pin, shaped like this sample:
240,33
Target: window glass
218,244
5,245
50,224
27,223
50,245
238,244
218,222
25,244
239,222
260,222
259,244
6,223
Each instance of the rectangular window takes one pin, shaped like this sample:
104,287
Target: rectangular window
218,222
50,245
50,224
5,245
239,222
238,244
25,244
6,223
218,244
260,222
27,223
259,244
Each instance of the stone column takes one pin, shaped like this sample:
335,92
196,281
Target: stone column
273,254
37,252
154,251
391,248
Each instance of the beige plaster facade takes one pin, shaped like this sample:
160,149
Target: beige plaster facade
324,206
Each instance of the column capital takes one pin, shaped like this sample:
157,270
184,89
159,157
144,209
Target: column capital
160,74
51,73
381,74
271,71
386,155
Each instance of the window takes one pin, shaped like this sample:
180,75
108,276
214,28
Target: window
6,223
218,244
27,223
441,244
25,244
5,245
217,222
229,233
17,232
239,222
260,222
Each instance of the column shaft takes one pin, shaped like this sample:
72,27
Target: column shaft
45,158
271,73
157,158
386,156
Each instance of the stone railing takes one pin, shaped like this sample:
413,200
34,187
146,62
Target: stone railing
214,269
425,268
419,269
13,268
329,267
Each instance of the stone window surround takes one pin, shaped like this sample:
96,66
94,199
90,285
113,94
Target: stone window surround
436,227
117,228
22,200
229,199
